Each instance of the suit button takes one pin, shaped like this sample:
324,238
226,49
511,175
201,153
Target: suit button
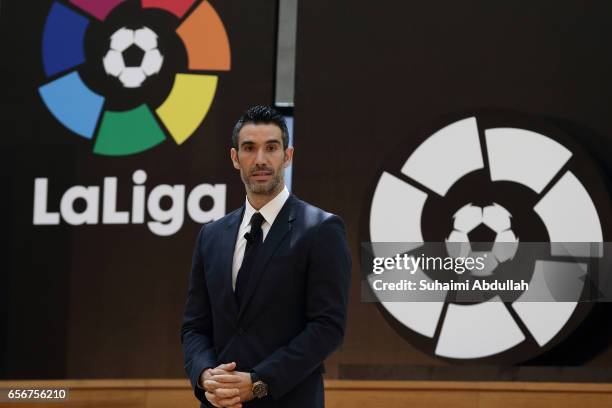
241,331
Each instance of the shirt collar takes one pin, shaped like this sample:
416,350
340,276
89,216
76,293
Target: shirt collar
269,211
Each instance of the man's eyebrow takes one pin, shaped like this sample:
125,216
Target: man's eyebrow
268,142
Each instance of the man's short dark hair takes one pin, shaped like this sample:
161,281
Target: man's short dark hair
261,114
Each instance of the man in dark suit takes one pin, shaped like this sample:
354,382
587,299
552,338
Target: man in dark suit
268,289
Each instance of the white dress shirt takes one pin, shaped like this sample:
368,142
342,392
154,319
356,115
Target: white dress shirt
269,213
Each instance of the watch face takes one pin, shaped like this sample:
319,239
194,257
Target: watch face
260,389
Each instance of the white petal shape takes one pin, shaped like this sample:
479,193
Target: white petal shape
152,62
496,217
446,156
145,38
489,261
113,63
523,156
467,218
421,317
122,39
479,330
505,247
395,215
545,319
569,215
458,244
132,77
419,311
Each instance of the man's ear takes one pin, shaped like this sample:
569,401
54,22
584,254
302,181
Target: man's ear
288,156
234,156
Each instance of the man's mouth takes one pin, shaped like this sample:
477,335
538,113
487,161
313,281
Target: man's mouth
261,175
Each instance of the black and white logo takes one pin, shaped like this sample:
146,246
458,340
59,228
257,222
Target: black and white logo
495,177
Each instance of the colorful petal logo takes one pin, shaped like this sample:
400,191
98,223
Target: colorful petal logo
89,112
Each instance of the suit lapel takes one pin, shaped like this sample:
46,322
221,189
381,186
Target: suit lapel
279,230
228,245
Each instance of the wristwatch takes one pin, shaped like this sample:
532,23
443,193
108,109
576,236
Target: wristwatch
259,388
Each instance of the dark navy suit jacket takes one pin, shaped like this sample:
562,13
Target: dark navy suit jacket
294,312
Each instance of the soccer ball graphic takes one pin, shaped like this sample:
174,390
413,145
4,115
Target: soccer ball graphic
133,56
496,219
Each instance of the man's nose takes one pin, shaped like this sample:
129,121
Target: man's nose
261,157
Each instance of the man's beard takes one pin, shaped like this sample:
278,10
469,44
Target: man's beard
267,188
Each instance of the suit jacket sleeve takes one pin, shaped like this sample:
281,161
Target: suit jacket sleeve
328,281
196,330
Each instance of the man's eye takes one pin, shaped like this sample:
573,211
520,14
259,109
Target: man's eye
271,148
247,148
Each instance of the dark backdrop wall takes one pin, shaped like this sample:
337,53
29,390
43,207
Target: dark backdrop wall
374,78
99,301
95,301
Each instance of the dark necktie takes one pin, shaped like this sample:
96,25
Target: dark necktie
254,240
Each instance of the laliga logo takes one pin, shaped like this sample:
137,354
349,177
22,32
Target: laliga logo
166,221
128,74
490,179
